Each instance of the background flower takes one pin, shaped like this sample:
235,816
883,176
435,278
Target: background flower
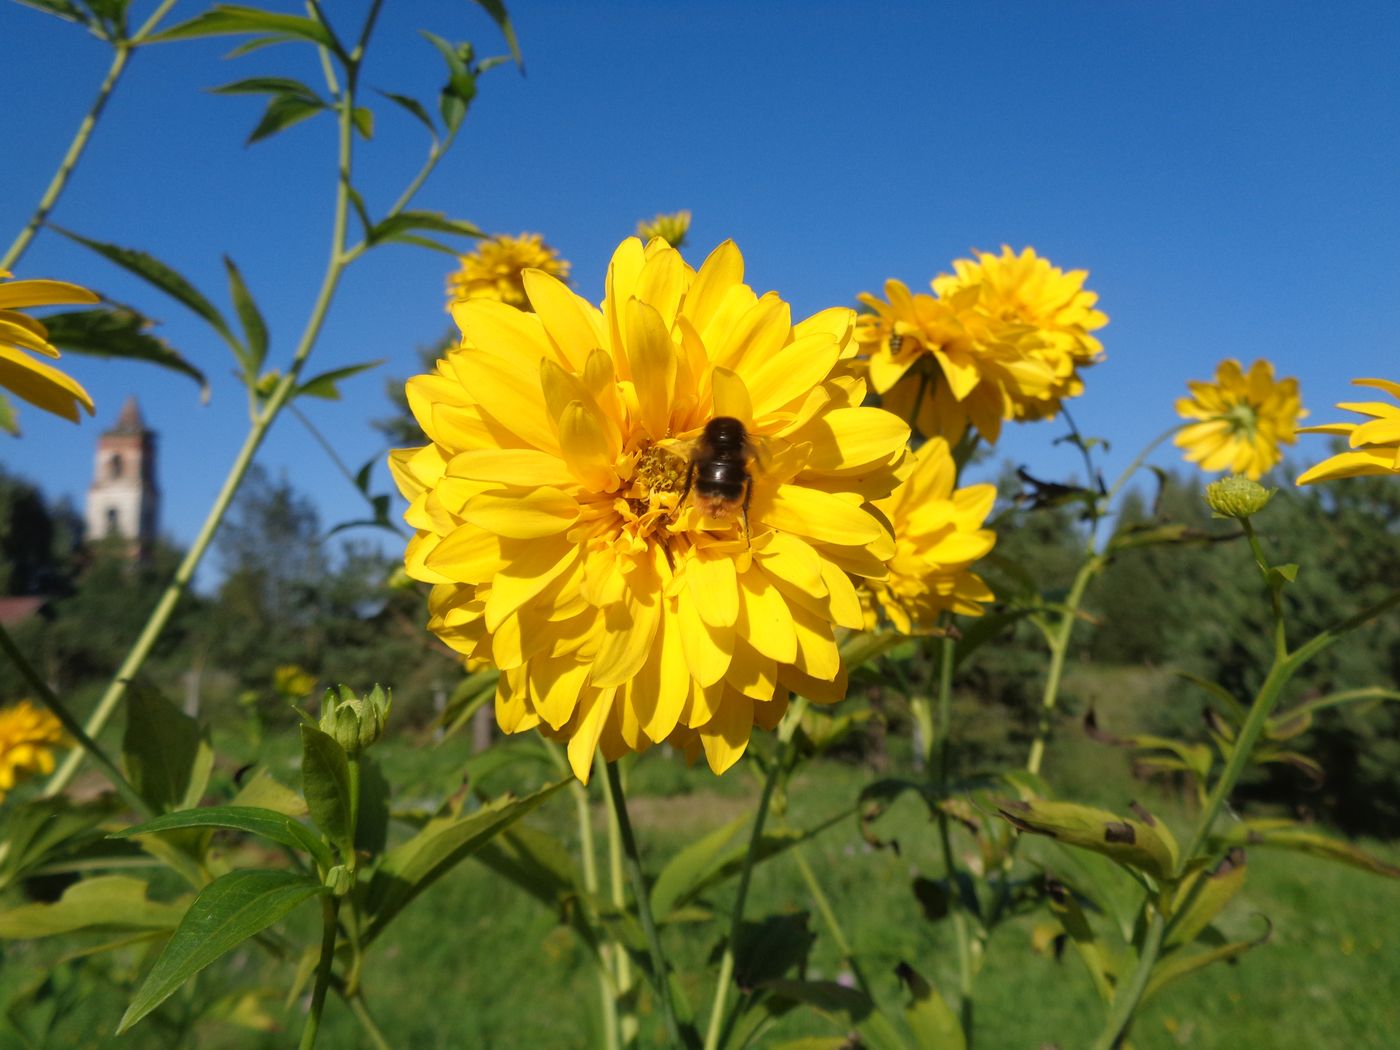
938,535
493,270
550,518
34,381
1244,419
1375,443
28,736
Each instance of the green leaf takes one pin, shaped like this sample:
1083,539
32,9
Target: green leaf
393,227
168,755
9,422
1174,967
461,81
106,903
324,385
64,9
325,781
278,827
1289,835
1146,844
36,830
410,868
1208,893
156,273
497,10
364,121
268,86
414,107
254,327
932,1021
265,791
1147,535
226,19
118,332
769,948
683,874
225,914
372,820
1064,905
282,112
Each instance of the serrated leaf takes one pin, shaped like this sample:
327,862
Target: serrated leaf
105,903
1146,844
364,121
267,823
1289,835
225,914
226,19
411,867
168,755
268,86
325,781
118,332
156,273
497,10
414,107
324,385
282,112
254,327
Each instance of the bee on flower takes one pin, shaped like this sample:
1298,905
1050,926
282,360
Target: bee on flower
1242,420
1373,444
28,737
1004,337
622,606
493,270
20,335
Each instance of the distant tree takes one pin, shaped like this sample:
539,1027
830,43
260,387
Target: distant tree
38,540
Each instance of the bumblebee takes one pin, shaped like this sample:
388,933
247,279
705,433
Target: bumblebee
719,470
896,343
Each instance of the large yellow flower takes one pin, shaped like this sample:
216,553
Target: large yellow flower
938,535
28,736
1375,443
1025,290
1243,419
22,375
494,270
550,514
1002,338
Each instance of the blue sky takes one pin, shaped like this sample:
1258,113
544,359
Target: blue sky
1226,172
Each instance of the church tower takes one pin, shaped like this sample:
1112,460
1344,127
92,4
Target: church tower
123,499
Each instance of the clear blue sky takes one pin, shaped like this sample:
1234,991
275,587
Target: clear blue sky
1227,172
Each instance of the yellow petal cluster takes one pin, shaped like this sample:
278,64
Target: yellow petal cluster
1374,443
494,270
34,381
1003,337
549,514
28,737
938,535
1242,419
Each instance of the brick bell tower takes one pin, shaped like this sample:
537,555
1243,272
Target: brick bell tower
123,499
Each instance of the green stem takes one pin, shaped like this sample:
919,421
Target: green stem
606,998
281,394
1275,586
148,26
329,905
622,962
70,159
70,724
736,915
360,1009
633,863
955,901
1141,458
1059,648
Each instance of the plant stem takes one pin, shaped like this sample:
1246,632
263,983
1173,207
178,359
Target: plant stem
360,1009
955,901
606,998
1275,586
1059,647
736,915
70,724
622,962
281,394
633,862
329,906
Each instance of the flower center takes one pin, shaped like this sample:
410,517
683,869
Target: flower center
1242,417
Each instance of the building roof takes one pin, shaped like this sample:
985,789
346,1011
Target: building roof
15,610
129,423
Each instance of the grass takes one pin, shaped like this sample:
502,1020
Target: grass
477,963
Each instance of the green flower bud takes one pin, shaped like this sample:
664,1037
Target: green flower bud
1237,497
340,880
354,722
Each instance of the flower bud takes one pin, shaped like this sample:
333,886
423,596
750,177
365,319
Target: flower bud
355,722
1237,497
340,880
670,228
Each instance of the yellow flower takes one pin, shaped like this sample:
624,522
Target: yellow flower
1375,443
1002,338
293,681
670,228
938,534
32,380
494,270
28,735
1025,290
1244,419
552,517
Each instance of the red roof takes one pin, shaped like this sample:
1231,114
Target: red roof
16,610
